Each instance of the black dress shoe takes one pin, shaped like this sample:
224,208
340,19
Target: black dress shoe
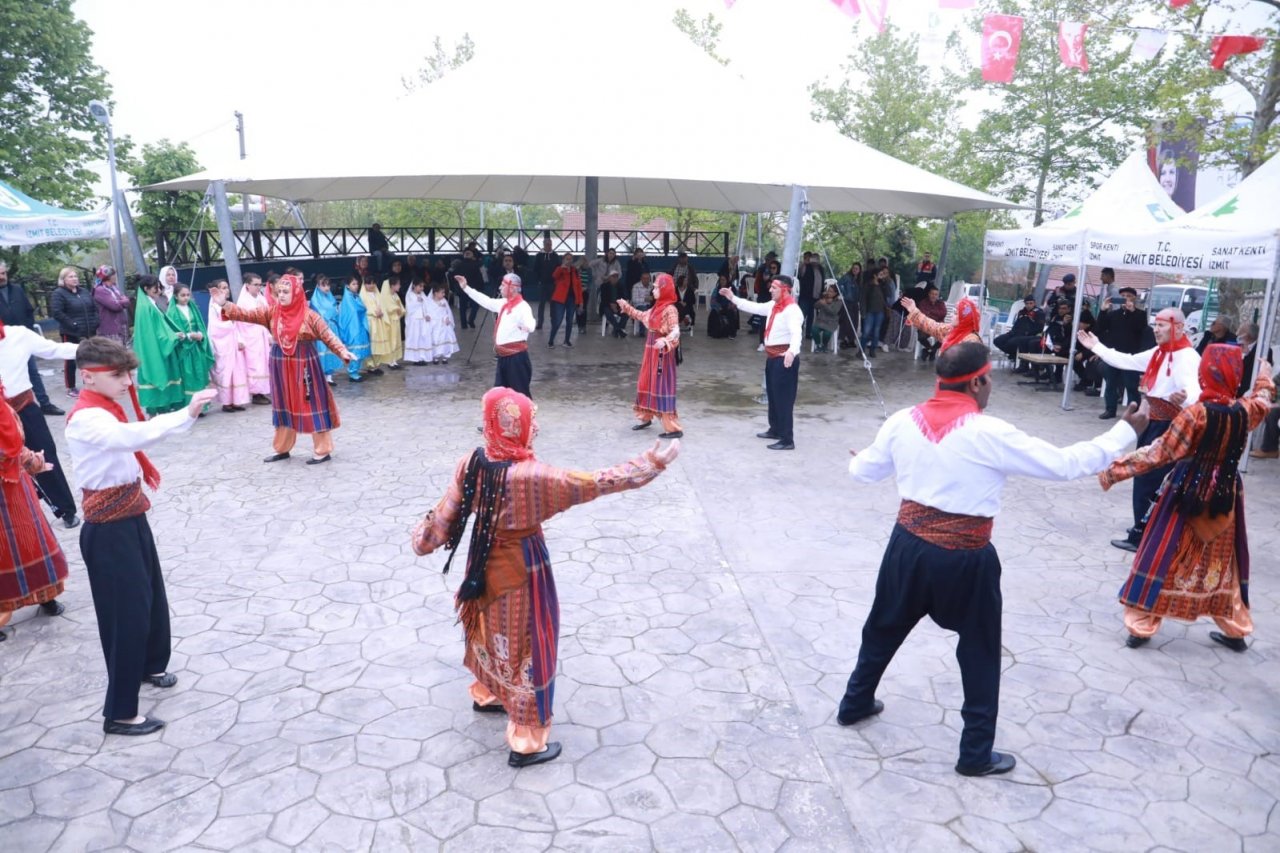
318,460
849,719
276,457
677,434
783,445
51,409
52,608
767,434
522,759
644,425
355,378
1092,392
1001,762
1133,641
167,679
1107,416
1124,545
260,400
487,709
146,727
395,366
71,522
377,371
1236,644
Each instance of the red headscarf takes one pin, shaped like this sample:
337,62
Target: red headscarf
968,322
1221,370
666,294
286,320
508,425
779,304
10,439
1164,352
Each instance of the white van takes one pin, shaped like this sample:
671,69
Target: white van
1189,298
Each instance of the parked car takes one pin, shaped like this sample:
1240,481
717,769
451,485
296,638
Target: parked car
1189,298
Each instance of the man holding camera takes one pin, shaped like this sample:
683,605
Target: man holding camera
1123,327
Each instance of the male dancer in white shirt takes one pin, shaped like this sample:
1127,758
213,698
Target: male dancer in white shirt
951,463
511,331
783,335
1170,382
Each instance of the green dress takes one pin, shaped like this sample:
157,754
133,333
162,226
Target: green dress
195,358
155,343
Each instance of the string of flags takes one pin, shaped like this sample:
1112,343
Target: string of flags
1002,38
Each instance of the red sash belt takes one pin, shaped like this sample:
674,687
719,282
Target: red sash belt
945,529
776,350
114,503
1161,410
511,348
20,402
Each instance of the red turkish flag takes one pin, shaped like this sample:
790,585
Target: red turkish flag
849,7
1071,44
1178,4
1001,38
1225,47
875,12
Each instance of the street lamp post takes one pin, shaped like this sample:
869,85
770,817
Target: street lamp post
102,115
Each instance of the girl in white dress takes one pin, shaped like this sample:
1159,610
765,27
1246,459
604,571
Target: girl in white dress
417,328
443,337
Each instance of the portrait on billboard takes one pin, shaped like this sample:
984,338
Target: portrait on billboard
1174,159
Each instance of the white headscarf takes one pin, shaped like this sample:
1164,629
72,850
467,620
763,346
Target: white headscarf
166,287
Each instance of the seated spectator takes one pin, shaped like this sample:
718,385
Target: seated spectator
609,296
826,315
722,314
1218,333
1087,367
642,292
687,299
1024,335
935,309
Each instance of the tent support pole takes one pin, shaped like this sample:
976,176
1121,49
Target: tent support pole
230,255
795,231
126,218
1071,344
947,234
759,239
592,198
742,238
1266,328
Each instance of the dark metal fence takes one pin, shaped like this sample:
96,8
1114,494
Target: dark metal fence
269,244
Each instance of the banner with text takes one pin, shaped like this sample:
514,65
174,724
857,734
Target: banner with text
1187,252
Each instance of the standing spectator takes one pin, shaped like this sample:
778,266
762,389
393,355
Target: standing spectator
230,368
848,285
926,272
77,316
16,310
810,276
361,267
636,267
601,268
1067,292
565,299
155,343
379,248
1247,338
113,306
192,348
469,268
935,309
729,269
872,301
1123,328
544,270
256,340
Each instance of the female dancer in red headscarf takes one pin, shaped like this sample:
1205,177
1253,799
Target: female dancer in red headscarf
33,569
656,385
507,602
300,397
1193,559
965,328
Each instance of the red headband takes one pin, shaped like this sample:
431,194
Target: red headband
981,371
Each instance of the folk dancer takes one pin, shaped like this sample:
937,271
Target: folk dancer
18,345
507,602
302,401
511,332
1170,383
783,336
1194,556
33,569
951,462
116,542
656,384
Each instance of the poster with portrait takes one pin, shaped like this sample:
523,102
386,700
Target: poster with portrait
1174,159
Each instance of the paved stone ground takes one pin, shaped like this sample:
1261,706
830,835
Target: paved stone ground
709,622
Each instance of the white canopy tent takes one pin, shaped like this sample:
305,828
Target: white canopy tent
1131,195
550,150
27,222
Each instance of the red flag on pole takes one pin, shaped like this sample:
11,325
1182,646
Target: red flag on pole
875,12
849,7
1225,47
1071,44
1001,38
1178,4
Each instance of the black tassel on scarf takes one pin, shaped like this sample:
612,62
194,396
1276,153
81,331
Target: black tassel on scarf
483,488
1212,476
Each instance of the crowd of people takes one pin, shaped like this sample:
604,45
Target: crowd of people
274,347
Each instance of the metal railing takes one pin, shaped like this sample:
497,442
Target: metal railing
205,248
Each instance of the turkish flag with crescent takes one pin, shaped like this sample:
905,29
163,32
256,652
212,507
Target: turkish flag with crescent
1001,38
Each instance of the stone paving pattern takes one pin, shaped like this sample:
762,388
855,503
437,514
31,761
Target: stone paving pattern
709,623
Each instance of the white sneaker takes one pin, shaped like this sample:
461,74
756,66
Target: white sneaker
760,348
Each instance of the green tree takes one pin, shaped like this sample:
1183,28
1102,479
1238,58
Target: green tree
705,33
48,140
166,211
441,61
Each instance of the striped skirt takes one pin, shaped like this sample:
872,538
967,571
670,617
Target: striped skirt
32,566
656,385
300,398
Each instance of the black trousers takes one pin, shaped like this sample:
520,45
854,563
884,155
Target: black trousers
37,384
514,372
1013,344
1117,379
959,591
1146,485
52,483
780,385
133,611
69,367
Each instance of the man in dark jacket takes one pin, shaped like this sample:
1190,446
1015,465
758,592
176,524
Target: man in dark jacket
468,266
1122,327
1024,335
16,310
77,315
544,281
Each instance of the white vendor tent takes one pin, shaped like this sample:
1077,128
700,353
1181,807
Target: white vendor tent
27,222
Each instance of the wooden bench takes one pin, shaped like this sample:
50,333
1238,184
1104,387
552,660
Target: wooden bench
1043,359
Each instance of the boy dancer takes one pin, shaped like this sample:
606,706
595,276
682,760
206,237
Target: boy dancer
115,541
